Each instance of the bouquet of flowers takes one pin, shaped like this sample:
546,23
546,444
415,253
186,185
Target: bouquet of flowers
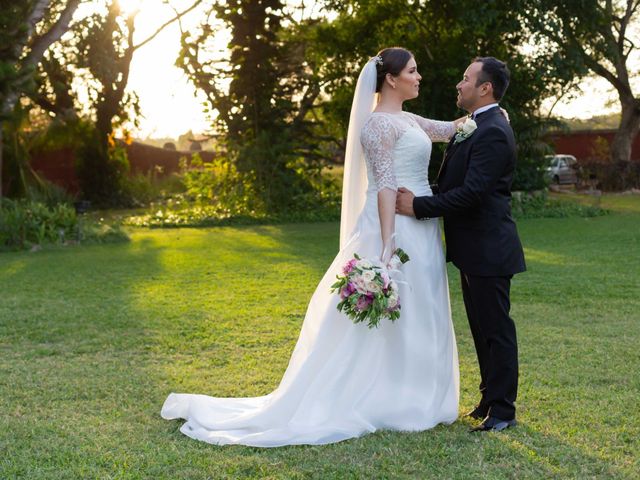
367,292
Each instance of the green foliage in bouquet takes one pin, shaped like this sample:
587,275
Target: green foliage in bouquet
367,292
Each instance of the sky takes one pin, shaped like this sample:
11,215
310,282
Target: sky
168,102
170,106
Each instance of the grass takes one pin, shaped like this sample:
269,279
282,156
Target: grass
93,338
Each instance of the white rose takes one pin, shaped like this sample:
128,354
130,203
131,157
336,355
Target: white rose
360,284
368,275
393,301
373,286
363,264
469,126
377,263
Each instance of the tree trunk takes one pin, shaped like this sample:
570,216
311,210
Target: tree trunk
627,130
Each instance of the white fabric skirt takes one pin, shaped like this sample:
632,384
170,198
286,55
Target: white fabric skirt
344,380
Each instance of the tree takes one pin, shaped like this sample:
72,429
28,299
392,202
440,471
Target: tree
261,93
600,36
101,50
27,30
445,36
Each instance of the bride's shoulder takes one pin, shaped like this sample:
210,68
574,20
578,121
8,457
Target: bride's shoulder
378,117
378,122
415,118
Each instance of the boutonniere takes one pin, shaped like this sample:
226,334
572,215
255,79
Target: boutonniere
465,130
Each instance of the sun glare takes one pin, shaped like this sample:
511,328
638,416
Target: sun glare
130,6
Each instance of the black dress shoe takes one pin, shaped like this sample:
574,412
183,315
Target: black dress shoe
478,413
494,424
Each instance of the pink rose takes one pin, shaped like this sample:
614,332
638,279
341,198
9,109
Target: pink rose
348,268
347,290
363,303
360,284
385,278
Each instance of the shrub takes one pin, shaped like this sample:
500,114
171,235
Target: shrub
218,193
24,224
144,188
178,214
219,184
49,194
102,171
537,205
608,175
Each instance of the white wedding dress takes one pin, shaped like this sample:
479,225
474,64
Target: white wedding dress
343,379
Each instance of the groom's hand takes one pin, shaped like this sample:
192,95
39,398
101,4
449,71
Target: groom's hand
404,202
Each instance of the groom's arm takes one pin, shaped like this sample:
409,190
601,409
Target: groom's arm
487,163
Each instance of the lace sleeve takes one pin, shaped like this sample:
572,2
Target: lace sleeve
378,137
437,130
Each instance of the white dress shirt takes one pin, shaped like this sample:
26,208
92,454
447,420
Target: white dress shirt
483,109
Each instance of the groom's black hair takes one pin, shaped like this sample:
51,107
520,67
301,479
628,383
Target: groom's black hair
496,73
394,59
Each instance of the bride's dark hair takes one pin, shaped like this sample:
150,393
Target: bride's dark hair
394,59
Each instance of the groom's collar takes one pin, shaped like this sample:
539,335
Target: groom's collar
483,109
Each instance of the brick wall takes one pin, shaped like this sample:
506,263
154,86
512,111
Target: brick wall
59,166
580,143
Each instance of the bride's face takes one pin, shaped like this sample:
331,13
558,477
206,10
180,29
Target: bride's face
407,83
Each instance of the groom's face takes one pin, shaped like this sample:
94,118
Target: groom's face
469,94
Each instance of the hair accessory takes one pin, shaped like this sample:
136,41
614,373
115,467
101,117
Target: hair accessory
377,59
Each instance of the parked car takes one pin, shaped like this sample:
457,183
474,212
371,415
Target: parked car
562,168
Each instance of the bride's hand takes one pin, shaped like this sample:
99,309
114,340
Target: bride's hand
506,115
387,252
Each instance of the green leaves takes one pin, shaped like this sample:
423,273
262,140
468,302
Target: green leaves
444,37
402,255
583,36
24,224
367,292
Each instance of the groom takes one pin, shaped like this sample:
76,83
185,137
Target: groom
473,195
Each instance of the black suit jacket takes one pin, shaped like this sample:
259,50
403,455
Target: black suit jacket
474,199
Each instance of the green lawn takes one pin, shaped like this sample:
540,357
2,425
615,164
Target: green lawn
92,339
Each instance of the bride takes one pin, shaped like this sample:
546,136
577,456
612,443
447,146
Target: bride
344,379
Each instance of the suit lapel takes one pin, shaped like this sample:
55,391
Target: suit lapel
453,147
447,154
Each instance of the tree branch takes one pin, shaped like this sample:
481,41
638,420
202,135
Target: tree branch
564,90
624,22
424,26
603,72
306,103
37,14
167,23
41,44
125,61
